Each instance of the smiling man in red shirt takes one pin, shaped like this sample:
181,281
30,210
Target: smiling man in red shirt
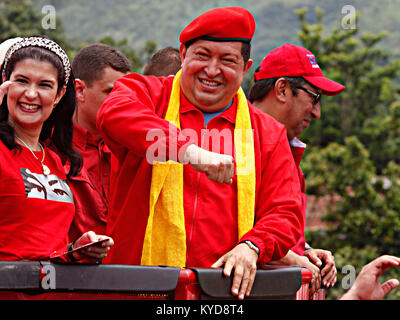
224,192
95,67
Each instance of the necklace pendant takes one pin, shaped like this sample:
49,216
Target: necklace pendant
46,170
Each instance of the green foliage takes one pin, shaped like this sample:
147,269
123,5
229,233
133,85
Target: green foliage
366,71
123,46
354,154
21,19
363,215
137,59
355,159
163,20
382,136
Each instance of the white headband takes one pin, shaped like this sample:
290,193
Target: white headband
43,43
5,45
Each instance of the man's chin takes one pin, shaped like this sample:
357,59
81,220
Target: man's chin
209,105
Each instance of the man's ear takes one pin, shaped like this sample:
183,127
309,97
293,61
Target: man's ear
248,65
80,90
281,90
182,51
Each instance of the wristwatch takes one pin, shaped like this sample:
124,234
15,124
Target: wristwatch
252,246
307,247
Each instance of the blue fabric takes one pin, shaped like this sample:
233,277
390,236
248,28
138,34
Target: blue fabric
209,115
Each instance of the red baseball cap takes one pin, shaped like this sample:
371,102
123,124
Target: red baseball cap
290,60
221,24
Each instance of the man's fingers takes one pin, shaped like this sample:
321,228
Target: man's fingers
315,282
389,285
228,267
237,280
251,280
227,263
229,170
219,263
243,260
221,171
314,259
218,167
384,262
245,281
330,278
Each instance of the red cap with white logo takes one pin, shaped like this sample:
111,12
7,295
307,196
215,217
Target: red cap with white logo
290,60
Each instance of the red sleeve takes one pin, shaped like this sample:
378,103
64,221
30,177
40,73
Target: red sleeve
131,118
278,216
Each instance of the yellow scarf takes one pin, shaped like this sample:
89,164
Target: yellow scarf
165,238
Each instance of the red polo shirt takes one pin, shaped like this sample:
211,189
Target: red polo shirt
91,187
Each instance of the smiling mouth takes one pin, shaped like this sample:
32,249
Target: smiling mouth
210,83
29,107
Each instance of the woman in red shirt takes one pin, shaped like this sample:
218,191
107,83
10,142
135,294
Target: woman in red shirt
36,203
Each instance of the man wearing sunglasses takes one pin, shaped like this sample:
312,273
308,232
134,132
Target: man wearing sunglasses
288,86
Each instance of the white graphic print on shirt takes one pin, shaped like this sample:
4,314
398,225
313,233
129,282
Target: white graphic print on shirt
48,187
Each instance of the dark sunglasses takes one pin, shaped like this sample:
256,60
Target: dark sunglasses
316,96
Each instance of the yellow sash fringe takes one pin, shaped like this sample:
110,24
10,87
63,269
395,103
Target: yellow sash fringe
165,238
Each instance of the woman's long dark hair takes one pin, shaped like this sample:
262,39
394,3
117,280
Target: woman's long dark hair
58,128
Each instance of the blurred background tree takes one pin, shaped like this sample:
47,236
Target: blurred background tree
137,59
353,153
22,18
368,72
